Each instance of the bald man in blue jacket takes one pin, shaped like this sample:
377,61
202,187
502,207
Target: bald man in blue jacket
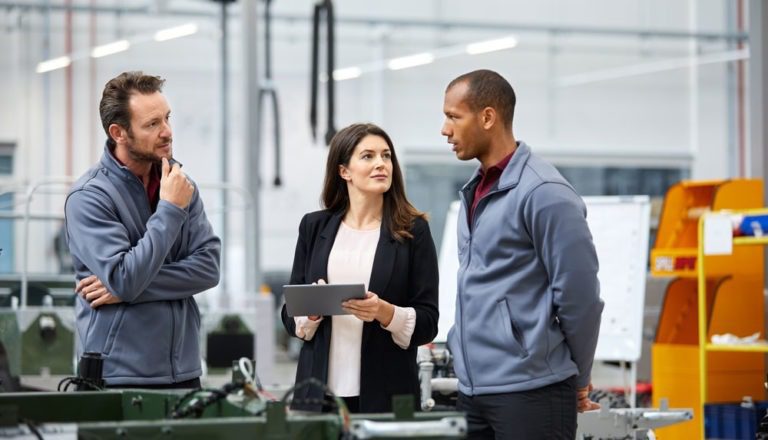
528,305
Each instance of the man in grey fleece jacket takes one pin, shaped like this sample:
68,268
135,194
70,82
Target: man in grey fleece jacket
141,246
528,306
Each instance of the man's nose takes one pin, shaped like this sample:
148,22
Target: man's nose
446,131
166,131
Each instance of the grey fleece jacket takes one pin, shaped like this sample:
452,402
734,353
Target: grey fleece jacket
528,305
154,262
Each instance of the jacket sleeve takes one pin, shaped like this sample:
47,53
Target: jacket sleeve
423,285
556,220
297,272
98,239
197,271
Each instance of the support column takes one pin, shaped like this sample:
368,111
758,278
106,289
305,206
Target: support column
249,17
758,93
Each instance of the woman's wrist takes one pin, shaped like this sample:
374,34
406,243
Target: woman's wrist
386,313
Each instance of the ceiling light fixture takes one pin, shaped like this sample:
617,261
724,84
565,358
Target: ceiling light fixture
53,64
347,73
419,59
491,45
176,32
110,49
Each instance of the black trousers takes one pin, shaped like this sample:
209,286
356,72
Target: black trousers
187,384
543,413
353,404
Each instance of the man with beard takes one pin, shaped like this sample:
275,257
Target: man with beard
141,244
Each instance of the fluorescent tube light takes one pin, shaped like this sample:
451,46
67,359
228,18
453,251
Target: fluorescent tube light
347,73
53,64
410,61
491,45
110,49
176,32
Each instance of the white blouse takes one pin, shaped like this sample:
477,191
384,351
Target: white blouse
351,262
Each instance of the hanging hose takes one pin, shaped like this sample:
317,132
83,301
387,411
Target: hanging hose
267,90
323,8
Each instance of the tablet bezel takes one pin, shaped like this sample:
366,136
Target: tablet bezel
319,299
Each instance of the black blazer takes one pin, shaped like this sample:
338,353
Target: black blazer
404,274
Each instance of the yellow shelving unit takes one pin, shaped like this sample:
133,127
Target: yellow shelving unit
707,294
703,313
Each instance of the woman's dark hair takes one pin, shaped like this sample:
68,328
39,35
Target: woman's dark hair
398,214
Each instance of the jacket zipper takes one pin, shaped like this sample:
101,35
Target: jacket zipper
173,342
461,300
170,305
471,226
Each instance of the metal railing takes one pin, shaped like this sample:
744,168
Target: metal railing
64,183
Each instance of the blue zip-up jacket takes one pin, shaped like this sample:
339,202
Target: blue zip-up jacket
154,262
528,305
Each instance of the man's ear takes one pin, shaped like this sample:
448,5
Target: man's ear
488,117
344,173
117,133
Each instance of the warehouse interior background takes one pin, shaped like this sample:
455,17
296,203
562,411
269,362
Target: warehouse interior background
625,97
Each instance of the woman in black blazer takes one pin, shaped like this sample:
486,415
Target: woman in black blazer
368,233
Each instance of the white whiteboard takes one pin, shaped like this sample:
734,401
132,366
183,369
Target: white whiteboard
449,268
620,227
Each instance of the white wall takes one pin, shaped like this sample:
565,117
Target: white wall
635,117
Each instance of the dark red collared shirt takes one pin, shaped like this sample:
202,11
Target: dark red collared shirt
488,180
153,186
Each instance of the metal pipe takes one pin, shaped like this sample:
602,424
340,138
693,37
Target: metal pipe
757,157
412,23
741,125
693,86
47,91
30,216
252,170
93,147
224,176
68,98
731,100
67,180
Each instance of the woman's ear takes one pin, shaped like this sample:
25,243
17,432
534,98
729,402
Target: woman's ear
344,173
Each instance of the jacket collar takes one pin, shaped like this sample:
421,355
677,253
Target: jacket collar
111,164
511,175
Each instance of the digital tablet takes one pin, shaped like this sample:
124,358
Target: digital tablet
319,299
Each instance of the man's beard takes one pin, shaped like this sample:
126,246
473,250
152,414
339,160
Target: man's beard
141,156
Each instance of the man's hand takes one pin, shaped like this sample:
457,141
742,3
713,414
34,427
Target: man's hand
174,185
93,291
583,402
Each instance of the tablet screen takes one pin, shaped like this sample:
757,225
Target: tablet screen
319,299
